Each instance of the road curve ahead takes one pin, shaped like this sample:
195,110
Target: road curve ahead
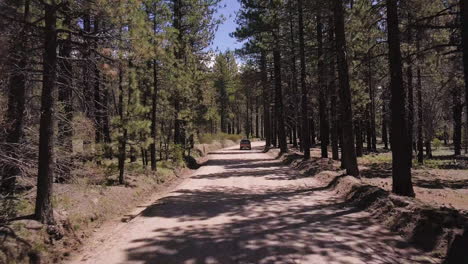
246,207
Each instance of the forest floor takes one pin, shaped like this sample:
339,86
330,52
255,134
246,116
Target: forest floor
249,207
442,181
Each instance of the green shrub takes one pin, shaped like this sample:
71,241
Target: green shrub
436,143
210,138
178,155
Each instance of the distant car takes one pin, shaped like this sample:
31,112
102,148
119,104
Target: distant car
245,144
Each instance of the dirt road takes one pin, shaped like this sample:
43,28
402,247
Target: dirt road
246,207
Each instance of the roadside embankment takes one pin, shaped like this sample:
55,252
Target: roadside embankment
440,231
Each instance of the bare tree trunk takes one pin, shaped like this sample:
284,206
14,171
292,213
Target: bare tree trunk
123,136
16,105
266,102
359,141
323,113
384,125
65,81
88,104
154,109
420,110
428,148
401,148
257,119
333,95
305,139
45,178
457,109
97,95
349,152
274,140
312,134
371,108
279,109
410,107
410,90
464,37
106,120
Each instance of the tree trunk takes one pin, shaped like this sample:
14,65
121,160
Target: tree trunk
88,104
45,178
133,156
65,82
323,113
154,110
106,120
359,141
384,126
123,136
97,94
349,152
464,37
428,148
373,125
266,102
410,88
312,129
257,119
457,109
401,148
372,141
274,138
305,132
279,109
333,95
409,76
420,109
16,106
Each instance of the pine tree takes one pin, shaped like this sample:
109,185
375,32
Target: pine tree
401,148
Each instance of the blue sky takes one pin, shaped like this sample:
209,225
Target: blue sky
222,39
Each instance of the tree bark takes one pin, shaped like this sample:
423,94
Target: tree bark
257,119
305,132
333,95
428,148
401,148
359,141
457,110
65,81
123,136
464,37
106,120
279,109
154,109
349,159
420,109
16,105
323,113
97,93
409,77
384,125
372,143
45,178
266,102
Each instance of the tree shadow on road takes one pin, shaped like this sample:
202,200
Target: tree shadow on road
265,224
261,222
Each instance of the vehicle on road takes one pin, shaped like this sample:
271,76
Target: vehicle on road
245,144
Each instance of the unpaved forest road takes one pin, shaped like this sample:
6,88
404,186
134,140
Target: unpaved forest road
246,207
